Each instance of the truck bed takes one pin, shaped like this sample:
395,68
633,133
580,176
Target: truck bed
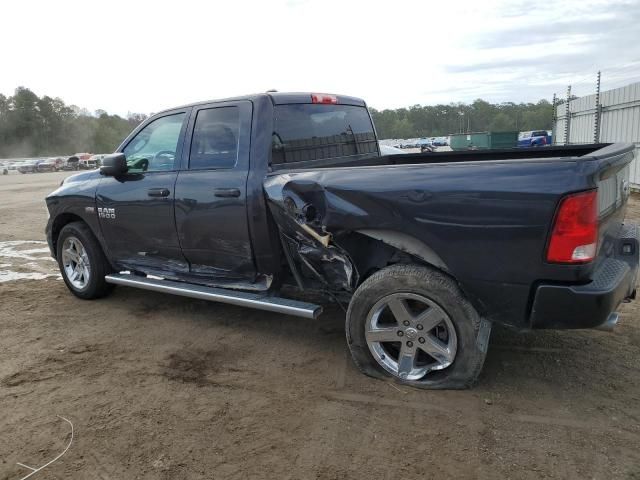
561,151
482,216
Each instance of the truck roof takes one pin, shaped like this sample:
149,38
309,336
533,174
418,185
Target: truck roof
278,98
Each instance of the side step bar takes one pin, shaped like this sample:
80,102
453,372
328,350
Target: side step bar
242,299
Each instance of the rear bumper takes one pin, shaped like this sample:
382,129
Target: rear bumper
589,306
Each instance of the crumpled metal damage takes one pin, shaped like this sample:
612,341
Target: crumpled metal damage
301,208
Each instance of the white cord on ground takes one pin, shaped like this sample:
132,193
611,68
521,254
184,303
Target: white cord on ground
36,470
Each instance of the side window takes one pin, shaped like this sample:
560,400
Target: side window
154,147
215,138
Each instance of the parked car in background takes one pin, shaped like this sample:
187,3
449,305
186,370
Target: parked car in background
88,164
98,158
72,163
49,165
4,167
427,148
28,166
535,138
94,161
409,143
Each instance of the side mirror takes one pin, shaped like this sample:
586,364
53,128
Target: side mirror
114,165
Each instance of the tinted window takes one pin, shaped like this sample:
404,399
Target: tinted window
215,138
154,147
539,133
304,132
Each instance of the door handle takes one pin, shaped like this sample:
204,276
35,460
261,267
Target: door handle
158,192
226,192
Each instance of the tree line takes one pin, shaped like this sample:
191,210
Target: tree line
41,126
44,126
479,116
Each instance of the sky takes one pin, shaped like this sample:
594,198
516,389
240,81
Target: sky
145,56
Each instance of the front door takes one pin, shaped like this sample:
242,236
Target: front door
211,192
136,210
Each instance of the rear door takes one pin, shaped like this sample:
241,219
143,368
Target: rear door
211,192
136,210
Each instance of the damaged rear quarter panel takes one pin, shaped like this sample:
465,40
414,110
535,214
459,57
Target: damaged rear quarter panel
484,222
299,208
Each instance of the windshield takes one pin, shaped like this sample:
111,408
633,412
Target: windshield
304,132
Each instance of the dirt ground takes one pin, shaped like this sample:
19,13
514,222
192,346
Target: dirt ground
161,387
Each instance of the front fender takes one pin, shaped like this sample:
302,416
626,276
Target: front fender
74,200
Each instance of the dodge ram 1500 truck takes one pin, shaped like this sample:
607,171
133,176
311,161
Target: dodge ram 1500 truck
249,200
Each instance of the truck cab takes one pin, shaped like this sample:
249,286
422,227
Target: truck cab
190,204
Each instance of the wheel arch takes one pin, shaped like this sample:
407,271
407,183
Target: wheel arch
64,219
407,244
370,250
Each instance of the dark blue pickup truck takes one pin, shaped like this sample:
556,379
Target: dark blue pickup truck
536,138
251,200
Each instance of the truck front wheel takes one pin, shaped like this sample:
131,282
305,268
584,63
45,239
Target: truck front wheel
412,323
82,263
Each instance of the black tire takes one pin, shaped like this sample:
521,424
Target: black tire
471,330
96,287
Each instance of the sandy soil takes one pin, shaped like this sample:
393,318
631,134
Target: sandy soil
159,387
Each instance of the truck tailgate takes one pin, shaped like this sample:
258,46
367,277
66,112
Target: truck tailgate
615,267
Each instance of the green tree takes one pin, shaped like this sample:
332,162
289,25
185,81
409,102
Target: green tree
480,115
34,126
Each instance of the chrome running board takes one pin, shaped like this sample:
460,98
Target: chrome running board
241,299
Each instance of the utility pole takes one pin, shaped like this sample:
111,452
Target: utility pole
553,120
567,117
596,120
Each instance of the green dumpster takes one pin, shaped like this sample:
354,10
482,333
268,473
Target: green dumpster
483,140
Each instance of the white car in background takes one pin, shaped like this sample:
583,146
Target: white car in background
94,161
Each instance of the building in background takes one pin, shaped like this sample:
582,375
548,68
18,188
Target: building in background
611,116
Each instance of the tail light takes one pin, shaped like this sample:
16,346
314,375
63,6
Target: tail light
574,238
323,98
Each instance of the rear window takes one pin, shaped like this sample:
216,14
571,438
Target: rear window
305,132
539,133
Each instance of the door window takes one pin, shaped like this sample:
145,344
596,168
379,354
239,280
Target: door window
215,138
154,148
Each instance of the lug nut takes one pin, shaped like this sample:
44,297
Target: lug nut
409,344
400,333
406,323
421,340
419,327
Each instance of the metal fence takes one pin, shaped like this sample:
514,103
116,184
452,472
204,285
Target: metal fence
613,117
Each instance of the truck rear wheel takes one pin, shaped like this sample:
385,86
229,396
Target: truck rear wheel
413,324
82,263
